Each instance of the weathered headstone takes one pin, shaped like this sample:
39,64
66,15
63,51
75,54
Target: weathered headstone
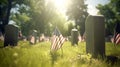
1,36
11,35
95,32
42,38
33,37
74,37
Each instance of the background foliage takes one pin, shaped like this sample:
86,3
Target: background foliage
111,13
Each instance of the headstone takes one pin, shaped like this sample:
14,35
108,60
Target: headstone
33,37
20,36
11,35
42,38
74,37
1,36
95,32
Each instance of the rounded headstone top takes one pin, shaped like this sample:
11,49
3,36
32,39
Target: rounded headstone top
74,29
34,30
12,22
13,25
95,16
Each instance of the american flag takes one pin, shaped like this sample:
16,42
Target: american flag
117,39
57,40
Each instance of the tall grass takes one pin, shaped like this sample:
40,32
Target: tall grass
39,55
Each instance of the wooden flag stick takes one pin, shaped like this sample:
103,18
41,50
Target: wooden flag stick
61,51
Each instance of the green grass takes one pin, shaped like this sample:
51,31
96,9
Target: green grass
39,55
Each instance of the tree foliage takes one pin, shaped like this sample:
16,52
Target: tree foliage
5,7
111,13
34,15
5,10
78,12
38,15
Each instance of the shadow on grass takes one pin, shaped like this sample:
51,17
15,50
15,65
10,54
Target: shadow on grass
112,59
1,46
54,57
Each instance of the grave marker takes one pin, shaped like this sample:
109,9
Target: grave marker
95,32
74,37
33,37
11,35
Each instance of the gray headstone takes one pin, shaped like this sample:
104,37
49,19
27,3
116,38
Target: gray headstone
95,32
11,35
74,37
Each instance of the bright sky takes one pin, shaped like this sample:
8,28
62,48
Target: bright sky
61,5
93,3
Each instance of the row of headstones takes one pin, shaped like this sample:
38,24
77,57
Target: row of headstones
12,35
94,27
33,39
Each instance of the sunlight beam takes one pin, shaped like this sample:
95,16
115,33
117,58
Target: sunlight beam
60,4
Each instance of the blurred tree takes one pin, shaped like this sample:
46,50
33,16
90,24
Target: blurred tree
111,12
5,7
77,11
43,17
29,15
5,10
70,27
33,14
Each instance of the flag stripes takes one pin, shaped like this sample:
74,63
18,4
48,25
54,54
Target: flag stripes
117,39
61,40
57,42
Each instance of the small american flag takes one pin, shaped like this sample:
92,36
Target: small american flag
57,40
117,39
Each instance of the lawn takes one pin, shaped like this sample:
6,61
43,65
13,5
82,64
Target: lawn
39,55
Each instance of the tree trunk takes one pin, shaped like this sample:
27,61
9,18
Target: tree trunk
5,18
8,12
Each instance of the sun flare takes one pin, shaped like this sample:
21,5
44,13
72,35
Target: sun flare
60,4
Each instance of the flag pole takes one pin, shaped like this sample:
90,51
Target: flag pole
61,51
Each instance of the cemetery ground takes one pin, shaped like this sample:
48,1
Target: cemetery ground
39,55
